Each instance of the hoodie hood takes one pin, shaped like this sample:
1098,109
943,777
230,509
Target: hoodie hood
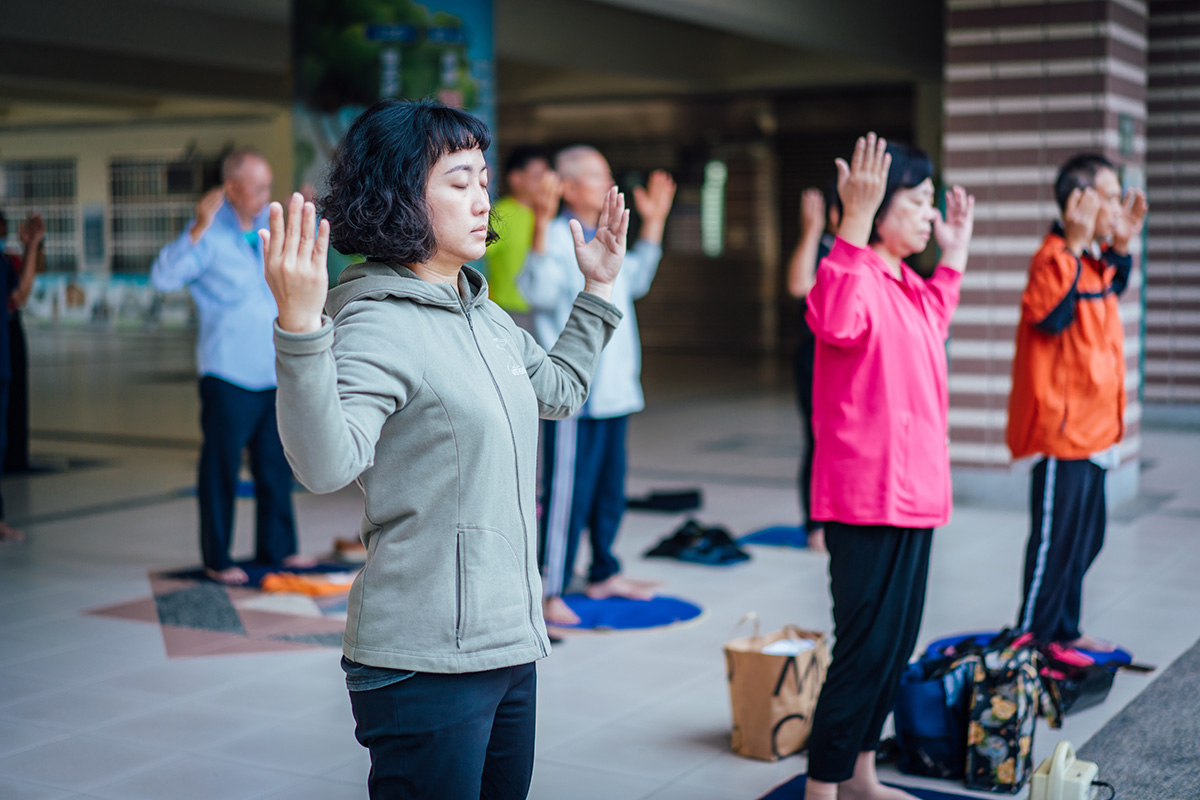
376,280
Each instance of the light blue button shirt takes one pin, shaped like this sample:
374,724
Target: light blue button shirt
551,280
224,273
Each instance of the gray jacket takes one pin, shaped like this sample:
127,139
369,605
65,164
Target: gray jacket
430,400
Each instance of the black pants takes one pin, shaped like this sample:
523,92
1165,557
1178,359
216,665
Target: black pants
583,485
805,356
233,419
16,448
877,577
450,737
1068,516
3,431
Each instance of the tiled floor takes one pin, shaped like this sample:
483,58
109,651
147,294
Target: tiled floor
93,707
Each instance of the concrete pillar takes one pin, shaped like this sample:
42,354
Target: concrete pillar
1029,83
1173,179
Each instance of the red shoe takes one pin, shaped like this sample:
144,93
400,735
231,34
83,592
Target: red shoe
1069,655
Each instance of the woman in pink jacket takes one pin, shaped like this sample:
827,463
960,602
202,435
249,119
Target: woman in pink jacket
881,467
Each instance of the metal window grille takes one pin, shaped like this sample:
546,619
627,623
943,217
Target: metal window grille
45,186
151,199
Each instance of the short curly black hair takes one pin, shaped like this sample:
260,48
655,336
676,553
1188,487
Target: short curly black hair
375,192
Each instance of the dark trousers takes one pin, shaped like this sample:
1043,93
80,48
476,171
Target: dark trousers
1068,515
233,419
16,447
583,485
3,431
450,737
877,577
804,400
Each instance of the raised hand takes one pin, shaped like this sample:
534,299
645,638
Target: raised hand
1079,219
294,263
546,197
812,211
206,210
600,259
31,232
861,186
1129,224
953,233
654,202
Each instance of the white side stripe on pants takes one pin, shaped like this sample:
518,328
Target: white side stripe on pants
1039,570
558,506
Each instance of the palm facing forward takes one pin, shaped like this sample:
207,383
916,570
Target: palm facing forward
600,259
295,264
954,232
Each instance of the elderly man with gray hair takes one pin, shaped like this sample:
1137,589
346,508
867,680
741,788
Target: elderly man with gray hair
219,260
584,457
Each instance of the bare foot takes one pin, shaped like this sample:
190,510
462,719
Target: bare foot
816,541
297,561
10,534
557,612
232,576
620,586
1091,643
865,785
876,792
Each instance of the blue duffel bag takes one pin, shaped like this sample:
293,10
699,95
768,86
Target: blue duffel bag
931,715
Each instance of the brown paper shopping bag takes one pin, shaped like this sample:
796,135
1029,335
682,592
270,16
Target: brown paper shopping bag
773,696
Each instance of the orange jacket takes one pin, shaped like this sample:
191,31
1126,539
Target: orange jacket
1068,374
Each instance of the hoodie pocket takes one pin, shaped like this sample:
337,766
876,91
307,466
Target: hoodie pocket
492,608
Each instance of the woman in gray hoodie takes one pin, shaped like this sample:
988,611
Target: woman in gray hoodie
421,390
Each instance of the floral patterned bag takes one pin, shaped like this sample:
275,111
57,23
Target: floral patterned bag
1009,694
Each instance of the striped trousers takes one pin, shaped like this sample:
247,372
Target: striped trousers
1068,516
583,485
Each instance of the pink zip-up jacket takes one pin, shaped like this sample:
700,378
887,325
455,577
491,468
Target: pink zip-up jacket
880,400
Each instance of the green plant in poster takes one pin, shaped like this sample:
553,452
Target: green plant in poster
350,53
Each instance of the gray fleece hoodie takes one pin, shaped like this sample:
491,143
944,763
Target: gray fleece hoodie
428,396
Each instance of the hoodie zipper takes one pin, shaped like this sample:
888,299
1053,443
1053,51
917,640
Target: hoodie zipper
516,466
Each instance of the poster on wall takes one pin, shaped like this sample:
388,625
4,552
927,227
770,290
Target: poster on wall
349,54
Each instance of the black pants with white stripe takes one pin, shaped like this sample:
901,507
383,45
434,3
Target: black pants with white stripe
1068,515
583,486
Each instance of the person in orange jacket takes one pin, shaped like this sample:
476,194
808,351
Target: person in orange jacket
1067,403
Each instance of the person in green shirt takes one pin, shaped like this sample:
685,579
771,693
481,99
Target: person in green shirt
523,171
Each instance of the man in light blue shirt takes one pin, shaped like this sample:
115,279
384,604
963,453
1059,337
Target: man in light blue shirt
584,457
219,259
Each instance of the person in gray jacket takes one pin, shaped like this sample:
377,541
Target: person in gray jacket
417,387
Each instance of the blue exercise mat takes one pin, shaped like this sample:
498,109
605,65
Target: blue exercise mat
624,614
794,790
1103,658
777,536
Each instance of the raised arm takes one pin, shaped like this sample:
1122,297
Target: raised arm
334,396
31,232
803,262
653,205
837,304
542,278
561,378
185,259
1128,227
1052,291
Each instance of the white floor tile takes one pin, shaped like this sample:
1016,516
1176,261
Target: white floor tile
641,715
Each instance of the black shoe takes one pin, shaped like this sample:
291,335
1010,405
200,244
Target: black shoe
715,548
686,536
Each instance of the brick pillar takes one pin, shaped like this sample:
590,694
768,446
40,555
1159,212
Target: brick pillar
1029,84
1173,180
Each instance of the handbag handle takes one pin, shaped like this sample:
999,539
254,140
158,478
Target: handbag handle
749,617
